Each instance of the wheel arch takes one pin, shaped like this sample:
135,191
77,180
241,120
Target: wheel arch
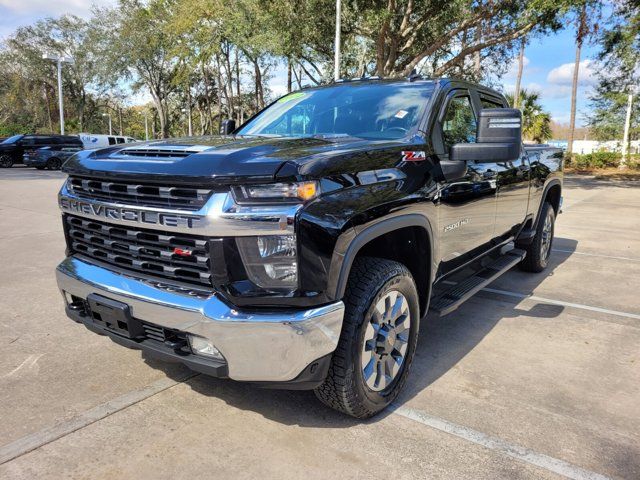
379,240
552,193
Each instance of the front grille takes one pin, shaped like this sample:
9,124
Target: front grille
140,250
146,195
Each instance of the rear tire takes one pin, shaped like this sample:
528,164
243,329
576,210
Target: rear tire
379,334
539,250
6,161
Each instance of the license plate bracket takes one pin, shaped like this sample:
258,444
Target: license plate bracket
114,316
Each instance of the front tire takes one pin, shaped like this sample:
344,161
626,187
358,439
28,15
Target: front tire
379,334
6,161
539,250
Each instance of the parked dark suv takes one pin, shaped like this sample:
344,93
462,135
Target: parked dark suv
13,148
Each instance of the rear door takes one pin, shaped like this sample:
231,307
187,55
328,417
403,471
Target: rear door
467,205
512,183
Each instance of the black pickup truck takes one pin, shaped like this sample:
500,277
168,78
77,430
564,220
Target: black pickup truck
301,249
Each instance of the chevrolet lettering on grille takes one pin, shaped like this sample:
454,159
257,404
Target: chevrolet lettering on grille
127,214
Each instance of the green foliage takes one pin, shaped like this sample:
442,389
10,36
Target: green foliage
536,123
596,160
620,69
213,58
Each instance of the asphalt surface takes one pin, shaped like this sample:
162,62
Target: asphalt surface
536,377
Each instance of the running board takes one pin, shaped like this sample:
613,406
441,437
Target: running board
451,299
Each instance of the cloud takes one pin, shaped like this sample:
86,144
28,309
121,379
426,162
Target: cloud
563,75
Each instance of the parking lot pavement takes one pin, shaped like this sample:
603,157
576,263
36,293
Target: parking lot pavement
535,377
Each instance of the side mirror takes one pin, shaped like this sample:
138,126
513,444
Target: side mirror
499,138
227,127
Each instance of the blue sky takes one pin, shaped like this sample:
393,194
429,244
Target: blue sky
548,61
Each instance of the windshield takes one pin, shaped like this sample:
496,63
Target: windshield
13,139
383,110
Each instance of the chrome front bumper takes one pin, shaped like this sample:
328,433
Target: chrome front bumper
258,346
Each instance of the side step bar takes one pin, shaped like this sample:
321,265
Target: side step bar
451,299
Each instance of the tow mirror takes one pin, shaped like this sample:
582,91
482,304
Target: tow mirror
227,127
499,138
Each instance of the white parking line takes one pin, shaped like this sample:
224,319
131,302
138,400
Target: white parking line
515,451
561,303
38,439
629,259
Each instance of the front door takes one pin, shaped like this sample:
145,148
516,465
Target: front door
512,183
467,205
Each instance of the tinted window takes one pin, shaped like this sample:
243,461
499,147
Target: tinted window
459,124
44,141
112,141
119,139
13,139
367,110
488,103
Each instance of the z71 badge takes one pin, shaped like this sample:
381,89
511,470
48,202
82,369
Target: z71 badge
413,156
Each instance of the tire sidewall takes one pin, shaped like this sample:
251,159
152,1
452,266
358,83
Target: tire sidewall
6,158
375,401
54,164
548,212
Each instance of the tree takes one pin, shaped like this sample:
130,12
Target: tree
516,94
67,36
439,36
536,123
583,29
620,68
137,46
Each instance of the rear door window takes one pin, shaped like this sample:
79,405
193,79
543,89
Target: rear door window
119,139
112,141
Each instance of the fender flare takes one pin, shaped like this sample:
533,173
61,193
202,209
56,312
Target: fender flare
545,192
376,230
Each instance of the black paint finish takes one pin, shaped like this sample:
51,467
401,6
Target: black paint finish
366,186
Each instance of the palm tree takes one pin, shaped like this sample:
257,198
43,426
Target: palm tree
536,123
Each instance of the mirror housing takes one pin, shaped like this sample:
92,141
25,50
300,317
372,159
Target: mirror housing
499,138
227,127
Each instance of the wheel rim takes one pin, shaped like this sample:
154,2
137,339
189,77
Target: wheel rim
386,340
54,164
547,237
5,161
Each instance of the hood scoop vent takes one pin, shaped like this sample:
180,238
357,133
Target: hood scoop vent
160,151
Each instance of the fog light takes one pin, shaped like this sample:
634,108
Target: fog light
202,346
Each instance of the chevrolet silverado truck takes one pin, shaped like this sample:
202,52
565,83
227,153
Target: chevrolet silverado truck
301,249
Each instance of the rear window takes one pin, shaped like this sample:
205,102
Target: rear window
13,139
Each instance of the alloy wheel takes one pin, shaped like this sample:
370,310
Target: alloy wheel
386,340
547,237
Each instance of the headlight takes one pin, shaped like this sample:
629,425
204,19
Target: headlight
271,261
276,192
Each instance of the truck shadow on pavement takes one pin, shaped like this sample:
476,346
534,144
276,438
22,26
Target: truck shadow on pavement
443,342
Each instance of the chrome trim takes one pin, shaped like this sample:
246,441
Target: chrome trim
259,346
221,216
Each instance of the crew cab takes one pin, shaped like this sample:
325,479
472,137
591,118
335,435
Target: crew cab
302,249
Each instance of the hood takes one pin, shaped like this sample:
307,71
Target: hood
220,159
